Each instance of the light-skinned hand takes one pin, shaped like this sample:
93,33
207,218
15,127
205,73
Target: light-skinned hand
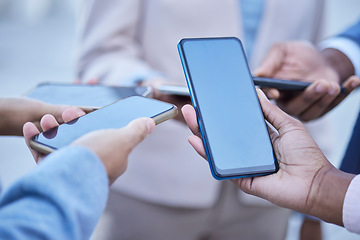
48,121
15,112
112,146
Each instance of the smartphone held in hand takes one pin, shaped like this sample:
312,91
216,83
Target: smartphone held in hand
88,97
230,118
113,116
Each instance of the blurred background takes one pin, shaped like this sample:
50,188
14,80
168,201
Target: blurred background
37,44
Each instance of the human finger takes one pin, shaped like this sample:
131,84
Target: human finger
281,121
349,85
306,99
137,130
48,121
189,114
92,81
272,62
30,130
198,145
319,107
271,93
72,113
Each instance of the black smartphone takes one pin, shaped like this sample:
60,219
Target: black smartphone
285,85
229,114
115,115
280,84
83,95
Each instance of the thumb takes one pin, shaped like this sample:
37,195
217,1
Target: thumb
272,62
137,130
281,121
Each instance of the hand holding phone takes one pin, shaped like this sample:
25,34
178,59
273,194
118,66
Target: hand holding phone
88,97
113,116
279,84
307,64
111,146
47,122
230,119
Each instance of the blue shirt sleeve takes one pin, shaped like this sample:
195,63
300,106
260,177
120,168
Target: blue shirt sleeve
352,33
62,198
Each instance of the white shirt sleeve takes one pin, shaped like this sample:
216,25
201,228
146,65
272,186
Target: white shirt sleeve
350,48
351,208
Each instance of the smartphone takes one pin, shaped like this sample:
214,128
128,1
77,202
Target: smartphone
84,96
285,85
116,115
229,114
280,84
174,90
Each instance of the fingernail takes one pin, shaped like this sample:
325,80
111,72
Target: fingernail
79,112
354,84
332,91
150,126
319,88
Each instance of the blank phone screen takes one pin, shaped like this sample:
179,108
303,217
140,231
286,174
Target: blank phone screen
94,96
229,113
116,115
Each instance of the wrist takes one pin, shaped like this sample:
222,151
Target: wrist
327,195
339,62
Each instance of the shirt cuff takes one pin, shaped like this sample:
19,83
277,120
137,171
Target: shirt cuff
351,207
348,47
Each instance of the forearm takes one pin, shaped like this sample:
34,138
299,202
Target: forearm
328,194
339,62
62,198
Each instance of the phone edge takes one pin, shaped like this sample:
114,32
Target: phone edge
214,173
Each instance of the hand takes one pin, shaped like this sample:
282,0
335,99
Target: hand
15,112
48,121
301,61
305,178
112,146
91,81
179,101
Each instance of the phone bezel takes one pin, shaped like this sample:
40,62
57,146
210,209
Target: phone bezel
204,136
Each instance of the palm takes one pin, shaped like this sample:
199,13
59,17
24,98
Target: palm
297,155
